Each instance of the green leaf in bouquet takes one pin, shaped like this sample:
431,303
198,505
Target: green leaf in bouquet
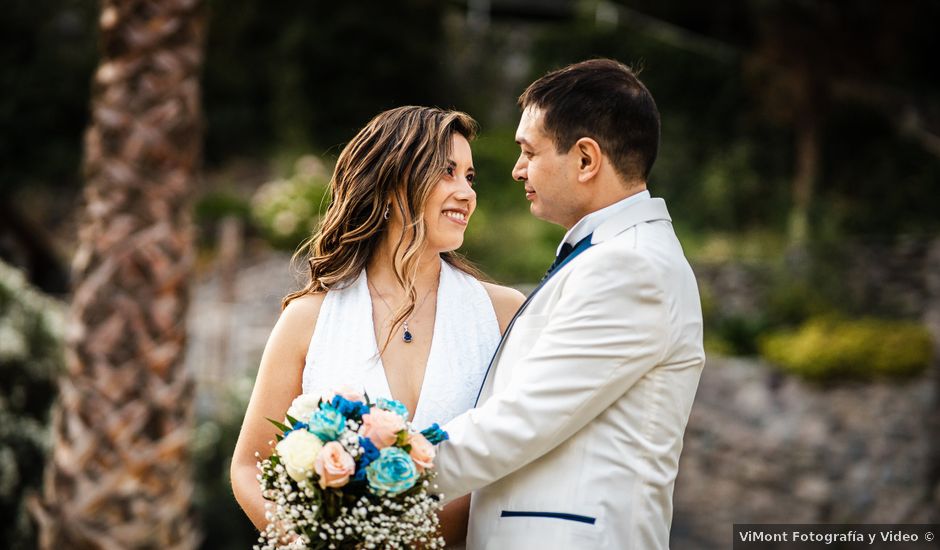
291,419
402,441
332,502
280,426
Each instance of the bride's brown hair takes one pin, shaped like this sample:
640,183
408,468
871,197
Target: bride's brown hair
393,162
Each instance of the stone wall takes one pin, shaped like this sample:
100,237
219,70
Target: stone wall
762,447
880,277
765,447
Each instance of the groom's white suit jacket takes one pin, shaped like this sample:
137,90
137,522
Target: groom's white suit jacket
576,439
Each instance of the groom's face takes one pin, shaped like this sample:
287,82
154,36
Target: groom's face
548,176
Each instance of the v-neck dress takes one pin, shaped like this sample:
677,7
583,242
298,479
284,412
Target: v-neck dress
343,349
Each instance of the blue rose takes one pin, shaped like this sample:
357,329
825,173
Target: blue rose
392,405
435,434
369,454
369,451
352,410
327,423
392,473
297,426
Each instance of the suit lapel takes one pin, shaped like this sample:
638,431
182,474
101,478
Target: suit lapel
640,212
574,253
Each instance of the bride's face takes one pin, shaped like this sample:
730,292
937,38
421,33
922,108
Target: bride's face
452,201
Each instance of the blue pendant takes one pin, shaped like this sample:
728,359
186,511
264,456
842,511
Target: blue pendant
407,336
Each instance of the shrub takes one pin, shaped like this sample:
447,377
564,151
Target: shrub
31,328
831,348
214,206
221,520
288,210
736,334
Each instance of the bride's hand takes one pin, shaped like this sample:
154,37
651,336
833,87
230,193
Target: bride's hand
287,539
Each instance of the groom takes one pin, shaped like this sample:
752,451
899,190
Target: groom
576,437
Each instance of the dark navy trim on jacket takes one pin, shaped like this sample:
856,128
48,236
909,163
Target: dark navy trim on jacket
553,515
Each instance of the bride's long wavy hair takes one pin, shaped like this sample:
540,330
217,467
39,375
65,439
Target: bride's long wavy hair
393,162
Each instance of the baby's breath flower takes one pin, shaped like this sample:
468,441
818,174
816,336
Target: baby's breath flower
348,517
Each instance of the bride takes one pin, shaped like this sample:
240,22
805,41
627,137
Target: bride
389,307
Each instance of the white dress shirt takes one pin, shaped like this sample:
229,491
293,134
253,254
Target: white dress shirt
592,221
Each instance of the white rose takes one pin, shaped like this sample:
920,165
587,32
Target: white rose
298,452
303,406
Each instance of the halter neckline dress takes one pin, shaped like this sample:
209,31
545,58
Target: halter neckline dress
343,350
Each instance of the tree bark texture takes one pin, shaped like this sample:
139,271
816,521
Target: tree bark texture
119,476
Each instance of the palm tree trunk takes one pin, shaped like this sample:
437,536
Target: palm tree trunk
119,476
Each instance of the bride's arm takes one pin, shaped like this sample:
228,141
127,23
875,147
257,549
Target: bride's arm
278,383
454,519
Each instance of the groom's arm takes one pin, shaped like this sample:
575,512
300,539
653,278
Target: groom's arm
607,331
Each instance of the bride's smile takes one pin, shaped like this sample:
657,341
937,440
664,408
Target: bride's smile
452,200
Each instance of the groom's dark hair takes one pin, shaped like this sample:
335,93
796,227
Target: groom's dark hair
604,100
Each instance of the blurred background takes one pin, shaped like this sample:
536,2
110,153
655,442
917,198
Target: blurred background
800,159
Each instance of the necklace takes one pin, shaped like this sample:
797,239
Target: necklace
406,336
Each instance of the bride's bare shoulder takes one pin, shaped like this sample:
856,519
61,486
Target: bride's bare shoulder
305,305
299,318
506,302
303,309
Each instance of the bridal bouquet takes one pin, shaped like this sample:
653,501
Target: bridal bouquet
349,473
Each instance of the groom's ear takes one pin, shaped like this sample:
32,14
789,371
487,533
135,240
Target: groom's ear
589,158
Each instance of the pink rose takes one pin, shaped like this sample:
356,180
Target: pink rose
347,392
422,452
334,465
382,427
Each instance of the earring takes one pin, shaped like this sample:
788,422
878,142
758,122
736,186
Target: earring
387,210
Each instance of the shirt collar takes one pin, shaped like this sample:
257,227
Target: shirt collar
592,221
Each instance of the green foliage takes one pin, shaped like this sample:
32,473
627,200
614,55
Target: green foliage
503,238
829,348
288,210
211,208
718,169
223,523
737,334
791,300
779,292
307,74
47,56
875,182
214,206
31,328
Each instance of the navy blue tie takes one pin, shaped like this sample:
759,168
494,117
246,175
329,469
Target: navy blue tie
566,250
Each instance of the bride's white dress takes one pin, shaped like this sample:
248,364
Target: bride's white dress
343,350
